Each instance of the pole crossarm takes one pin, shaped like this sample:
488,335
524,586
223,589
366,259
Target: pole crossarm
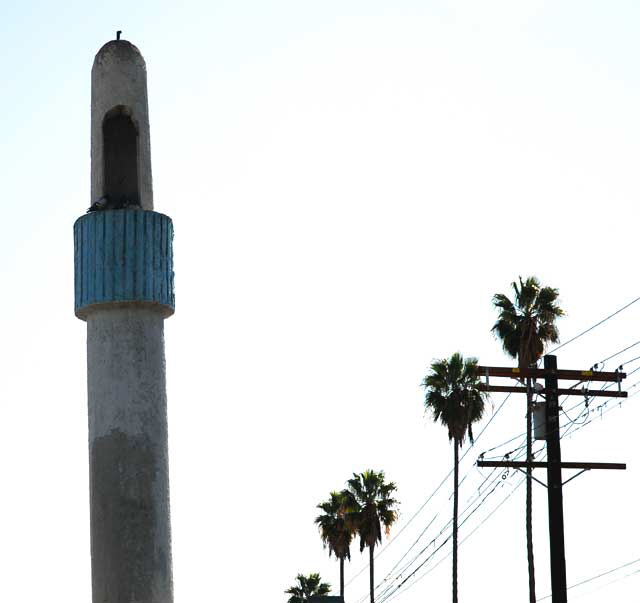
543,465
554,465
519,389
577,375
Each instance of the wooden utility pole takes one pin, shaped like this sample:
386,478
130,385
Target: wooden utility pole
554,482
554,464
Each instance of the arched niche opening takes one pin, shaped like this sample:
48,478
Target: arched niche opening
120,153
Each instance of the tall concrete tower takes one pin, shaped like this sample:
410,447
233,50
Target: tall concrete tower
124,291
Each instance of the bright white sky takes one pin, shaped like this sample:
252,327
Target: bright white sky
350,182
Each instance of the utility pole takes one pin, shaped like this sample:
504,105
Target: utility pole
554,464
554,482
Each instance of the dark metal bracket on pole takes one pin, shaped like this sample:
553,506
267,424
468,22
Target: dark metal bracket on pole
564,483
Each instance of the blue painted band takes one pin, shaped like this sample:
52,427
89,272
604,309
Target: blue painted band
123,256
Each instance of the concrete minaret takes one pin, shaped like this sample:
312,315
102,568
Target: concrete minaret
124,291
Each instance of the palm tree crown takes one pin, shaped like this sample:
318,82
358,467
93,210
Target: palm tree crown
307,587
335,534
527,324
453,395
370,505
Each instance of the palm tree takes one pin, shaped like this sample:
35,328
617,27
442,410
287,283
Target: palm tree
335,534
524,327
306,587
454,398
369,505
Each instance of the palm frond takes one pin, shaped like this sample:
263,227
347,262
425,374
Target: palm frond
526,325
336,535
307,587
369,506
453,396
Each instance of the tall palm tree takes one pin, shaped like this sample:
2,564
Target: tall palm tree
455,400
306,587
524,327
335,533
369,506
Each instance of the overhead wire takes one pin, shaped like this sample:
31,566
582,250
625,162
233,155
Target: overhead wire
567,431
606,584
595,325
396,591
386,595
429,570
484,496
615,569
620,352
590,399
430,497
392,589
439,486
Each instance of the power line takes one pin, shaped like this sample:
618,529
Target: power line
607,584
397,592
424,504
387,593
603,387
390,592
620,352
568,431
594,326
463,519
405,568
595,577
590,420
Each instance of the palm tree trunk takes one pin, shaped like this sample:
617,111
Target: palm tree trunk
455,520
532,577
342,577
371,572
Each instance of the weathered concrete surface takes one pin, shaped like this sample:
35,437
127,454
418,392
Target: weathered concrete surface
119,89
129,473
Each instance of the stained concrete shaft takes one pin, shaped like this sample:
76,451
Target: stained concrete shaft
129,480
123,259
119,89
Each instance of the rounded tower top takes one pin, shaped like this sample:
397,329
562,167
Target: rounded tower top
120,138
119,51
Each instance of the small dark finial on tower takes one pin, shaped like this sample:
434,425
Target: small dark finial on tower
118,34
